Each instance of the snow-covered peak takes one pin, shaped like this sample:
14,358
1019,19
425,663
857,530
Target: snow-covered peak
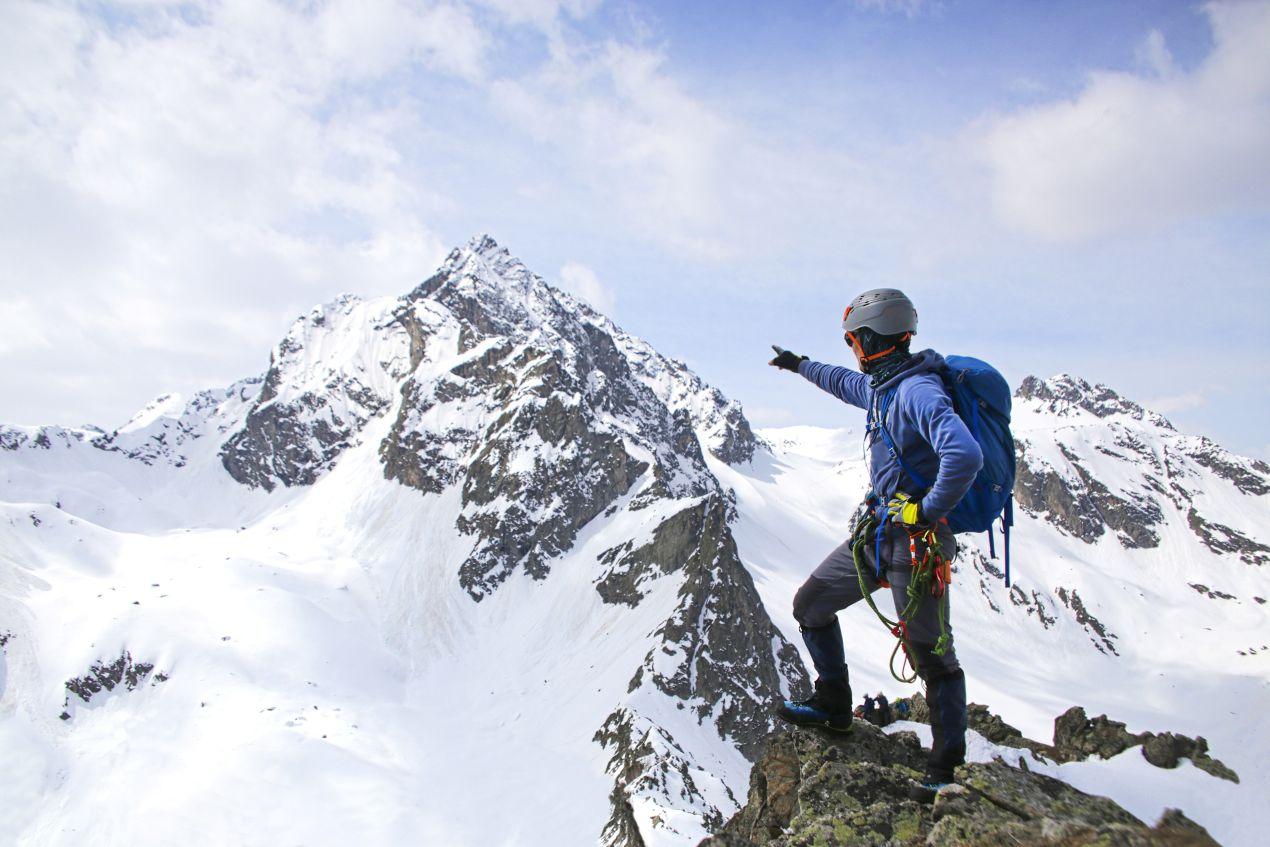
163,406
493,293
1065,395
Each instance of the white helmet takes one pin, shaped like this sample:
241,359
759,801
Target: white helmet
886,311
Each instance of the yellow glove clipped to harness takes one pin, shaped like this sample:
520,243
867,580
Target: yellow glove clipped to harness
905,510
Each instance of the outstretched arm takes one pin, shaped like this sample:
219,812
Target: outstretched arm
847,385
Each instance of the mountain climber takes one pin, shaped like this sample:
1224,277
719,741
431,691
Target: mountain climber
870,709
906,531
884,710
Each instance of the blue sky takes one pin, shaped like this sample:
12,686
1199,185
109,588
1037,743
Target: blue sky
1079,187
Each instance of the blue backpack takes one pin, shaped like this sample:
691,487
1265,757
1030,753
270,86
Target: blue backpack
981,398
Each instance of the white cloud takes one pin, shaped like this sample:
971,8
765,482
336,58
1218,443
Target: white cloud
761,416
544,14
1142,150
1154,55
176,182
580,280
633,134
908,8
1177,402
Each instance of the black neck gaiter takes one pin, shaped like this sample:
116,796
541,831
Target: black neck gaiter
880,370
884,367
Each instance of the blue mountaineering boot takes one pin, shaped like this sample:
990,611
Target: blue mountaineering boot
924,791
830,706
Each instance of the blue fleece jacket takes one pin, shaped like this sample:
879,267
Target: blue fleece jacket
921,421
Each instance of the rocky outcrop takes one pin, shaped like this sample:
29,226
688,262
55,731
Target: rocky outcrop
527,509
1222,539
121,673
1077,736
1077,502
1168,468
1101,637
1211,593
1250,477
719,652
1040,489
647,762
718,657
1167,749
313,402
15,438
812,789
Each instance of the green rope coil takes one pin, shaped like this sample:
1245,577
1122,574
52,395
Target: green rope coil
918,587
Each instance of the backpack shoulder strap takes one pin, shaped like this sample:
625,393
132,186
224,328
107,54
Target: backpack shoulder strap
890,442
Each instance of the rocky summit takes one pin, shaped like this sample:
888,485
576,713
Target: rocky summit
813,790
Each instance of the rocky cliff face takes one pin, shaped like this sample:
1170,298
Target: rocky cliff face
1111,467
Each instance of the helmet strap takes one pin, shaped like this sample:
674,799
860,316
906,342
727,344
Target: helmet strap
859,350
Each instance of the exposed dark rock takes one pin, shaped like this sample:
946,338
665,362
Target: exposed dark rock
718,654
810,789
525,517
1131,519
121,672
1063,394
994,803
1098,634
1222,539
996,730
1249,476
1077,736
710,644
675,541
14,438
1033,604
1210,593
1041,490
621,829
1167,749
287,443
421,457
306,413
646,760
554,415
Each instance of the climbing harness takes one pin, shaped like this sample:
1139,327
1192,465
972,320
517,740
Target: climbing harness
932,574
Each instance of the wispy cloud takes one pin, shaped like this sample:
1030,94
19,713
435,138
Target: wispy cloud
183,177
1177,402
577,278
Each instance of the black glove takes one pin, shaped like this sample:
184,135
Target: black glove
786,360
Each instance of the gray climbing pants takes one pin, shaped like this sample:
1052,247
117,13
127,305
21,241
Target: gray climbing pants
834,586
